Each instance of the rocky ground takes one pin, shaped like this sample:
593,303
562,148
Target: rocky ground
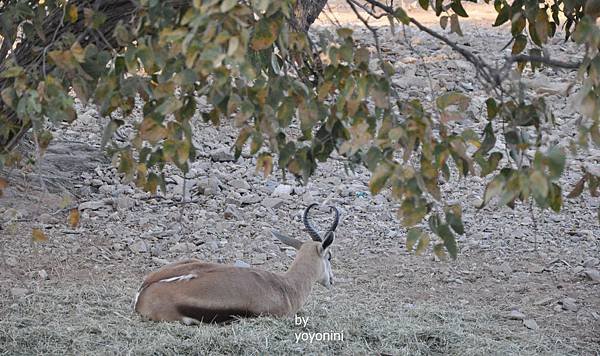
525,282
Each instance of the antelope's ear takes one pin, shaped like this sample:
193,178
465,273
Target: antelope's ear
329,237
287,240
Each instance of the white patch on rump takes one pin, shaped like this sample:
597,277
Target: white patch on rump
135,299
189,321
185,277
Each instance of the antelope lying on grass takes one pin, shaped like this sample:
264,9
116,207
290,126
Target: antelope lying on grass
192,291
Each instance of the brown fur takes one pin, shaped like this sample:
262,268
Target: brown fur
221,292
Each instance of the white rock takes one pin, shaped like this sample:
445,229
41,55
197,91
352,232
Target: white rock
240,263
570,304
591,262
140,246
543,301
92,205
259,258
272,203
307,198
232,212
43,274
96,182
124,203
209,186
222,155
516,315
250,199
160,261
593,274
240,184
213,245
183,247
290,252
283,190
530,324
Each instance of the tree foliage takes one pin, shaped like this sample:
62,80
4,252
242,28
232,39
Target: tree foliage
180,61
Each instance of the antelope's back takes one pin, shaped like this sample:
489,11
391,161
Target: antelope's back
209,292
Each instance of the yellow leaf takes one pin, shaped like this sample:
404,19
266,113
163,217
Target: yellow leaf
64,202
265,33
72,13
38,235
74,217
264,163
422,245
3,183
78,52
151,131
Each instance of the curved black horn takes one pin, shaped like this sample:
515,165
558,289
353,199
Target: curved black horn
311,230
337,218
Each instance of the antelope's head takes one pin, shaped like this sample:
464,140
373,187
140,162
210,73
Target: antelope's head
318,250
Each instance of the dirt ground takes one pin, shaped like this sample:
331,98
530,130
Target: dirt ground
520,285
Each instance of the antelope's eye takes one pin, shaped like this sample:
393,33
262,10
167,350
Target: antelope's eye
329,256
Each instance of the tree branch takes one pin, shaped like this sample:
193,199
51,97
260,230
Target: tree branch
492,75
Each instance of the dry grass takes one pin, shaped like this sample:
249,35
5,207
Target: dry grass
94,317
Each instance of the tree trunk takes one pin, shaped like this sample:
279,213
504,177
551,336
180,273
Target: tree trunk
28,55
306,12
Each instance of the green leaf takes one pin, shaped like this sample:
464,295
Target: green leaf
555,197
493,189
379,178
458,8
345,32
517,23
423,243
556,162
412,237
578,189
12,72
492,108
241,140
439,251
265,33
227,5
109,130
372,158
401,15
412,211
489,140
539,185
449,240
286,111
434,223
492,163
424,4
503,16
454,218
453,98
542,25
519,45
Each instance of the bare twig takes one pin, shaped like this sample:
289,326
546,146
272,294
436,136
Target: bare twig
373,30
490,74
544,60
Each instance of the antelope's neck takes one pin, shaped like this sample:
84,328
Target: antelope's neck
300,277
